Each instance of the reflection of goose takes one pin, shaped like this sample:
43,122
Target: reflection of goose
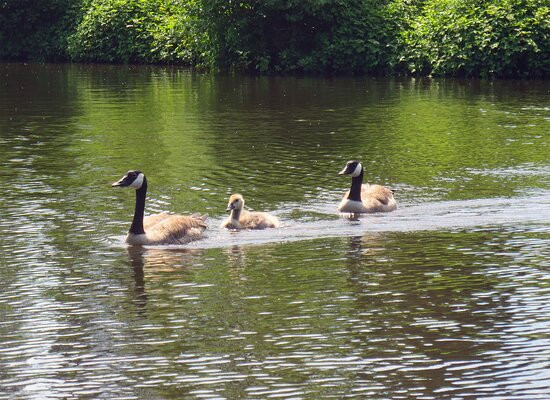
242,219
364,198
156,260
135,256
160,228
151,264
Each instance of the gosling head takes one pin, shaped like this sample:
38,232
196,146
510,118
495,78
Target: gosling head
353,168
236,202
133,179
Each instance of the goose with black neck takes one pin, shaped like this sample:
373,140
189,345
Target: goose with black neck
158,229
364,198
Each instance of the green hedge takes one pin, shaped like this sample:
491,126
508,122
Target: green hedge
36,30
500,38
296,35
145,31
504,38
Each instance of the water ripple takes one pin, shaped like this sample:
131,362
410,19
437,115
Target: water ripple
446,298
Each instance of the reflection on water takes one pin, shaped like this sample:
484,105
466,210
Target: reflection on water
359,316
443,298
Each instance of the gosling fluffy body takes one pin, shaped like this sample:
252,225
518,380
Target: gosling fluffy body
243,219
364,198
158,229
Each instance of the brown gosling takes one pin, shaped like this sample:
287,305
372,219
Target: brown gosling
243,219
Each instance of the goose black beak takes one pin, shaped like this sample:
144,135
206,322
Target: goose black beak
343,172
120,183
230,207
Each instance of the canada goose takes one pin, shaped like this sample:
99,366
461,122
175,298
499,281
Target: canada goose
364,198
242,219
160,228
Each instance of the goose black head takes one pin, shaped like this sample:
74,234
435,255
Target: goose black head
133,179
353,168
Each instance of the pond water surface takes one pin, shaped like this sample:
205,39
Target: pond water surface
445,298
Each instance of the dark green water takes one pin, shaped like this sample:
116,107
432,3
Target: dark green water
446,298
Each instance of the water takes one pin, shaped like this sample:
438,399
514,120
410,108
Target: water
446,298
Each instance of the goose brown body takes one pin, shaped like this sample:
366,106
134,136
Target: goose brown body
174,229
243,219
162,228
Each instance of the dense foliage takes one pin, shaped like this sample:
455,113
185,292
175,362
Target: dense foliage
36,29
137,31
439,37
295,35
479,38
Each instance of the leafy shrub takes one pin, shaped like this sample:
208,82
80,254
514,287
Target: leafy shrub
145,31
502,38
36,30
114,30
479,38
295,35
181,38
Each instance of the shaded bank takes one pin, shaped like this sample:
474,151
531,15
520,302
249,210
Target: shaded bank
489,38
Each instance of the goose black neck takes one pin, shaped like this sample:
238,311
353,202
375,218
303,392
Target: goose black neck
355,191
137,223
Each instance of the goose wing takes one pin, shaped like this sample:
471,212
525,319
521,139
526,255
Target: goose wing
377,192
152,220
177,229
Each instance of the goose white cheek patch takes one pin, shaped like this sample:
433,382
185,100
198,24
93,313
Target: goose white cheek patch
136,184
357,171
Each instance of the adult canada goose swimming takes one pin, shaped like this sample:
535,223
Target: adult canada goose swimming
160,228
242,219
364,198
